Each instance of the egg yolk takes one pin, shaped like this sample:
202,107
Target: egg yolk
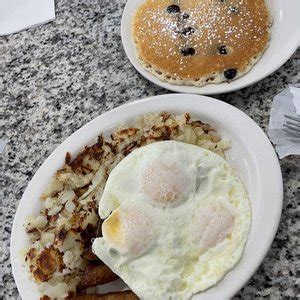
164,183
213,224
128,231
112,230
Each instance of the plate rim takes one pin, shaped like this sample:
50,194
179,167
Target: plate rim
194,89
160,98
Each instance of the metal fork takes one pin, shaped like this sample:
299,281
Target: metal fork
292,125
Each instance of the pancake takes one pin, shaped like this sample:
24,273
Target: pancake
196,42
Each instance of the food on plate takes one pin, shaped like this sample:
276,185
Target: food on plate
176,220
194,42
59,254
126,295
95,275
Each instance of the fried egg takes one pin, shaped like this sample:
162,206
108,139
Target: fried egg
176,220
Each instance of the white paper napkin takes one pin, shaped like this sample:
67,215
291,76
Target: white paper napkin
285,103
16,15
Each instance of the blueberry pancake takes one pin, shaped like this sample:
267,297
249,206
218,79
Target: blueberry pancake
195,42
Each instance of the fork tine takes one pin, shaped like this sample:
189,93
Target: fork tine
292,127
289,131
294,139
297,124
292,118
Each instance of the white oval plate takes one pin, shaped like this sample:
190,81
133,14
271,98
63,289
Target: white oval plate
285,38
251,155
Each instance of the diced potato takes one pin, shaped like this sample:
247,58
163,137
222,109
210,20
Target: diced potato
53,211
70,206
47,239
66,195
38,222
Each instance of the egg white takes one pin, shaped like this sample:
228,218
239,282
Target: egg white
177,247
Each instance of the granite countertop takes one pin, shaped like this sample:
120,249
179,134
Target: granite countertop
57,77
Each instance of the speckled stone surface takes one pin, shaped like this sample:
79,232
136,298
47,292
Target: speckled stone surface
57,77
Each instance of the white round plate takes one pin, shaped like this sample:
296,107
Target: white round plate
285,38
251,155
